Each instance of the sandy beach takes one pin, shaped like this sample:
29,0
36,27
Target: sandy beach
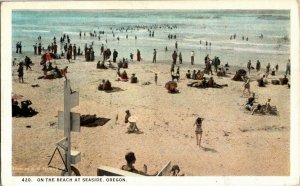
234,142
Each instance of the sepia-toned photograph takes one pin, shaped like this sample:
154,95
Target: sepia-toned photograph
151,91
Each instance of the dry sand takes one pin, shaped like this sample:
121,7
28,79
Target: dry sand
256,144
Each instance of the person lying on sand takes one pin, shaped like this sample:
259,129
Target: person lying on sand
130,159
284,80
211,83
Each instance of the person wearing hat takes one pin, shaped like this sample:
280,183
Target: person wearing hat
132,125
198,130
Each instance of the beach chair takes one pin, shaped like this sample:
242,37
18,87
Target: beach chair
110,171
166,170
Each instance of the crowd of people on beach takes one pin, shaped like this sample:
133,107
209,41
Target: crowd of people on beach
213,66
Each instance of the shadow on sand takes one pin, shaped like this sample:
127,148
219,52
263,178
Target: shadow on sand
206,149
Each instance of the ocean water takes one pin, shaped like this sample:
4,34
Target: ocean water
190,26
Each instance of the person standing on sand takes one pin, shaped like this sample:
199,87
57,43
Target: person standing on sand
207,59
154,56
138,55
288,68
17,47
192,57
155,78
247,87
268,68
40,49
258,65
115,55
180,58
74,51
20,47
198,130
21,72
249,66
14,62
176,45
174,56
131,57
35,48
101,49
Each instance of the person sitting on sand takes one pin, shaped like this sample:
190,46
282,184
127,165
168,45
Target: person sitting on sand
268,106
256,108
125,64
127,116
194,74
57,72
26,110
124,75
198,130
188,74
284,80
175,171
16,110
98,65
130,159
107,85
250,102
120,64
261,82
132,128
273,72
101,85
199,75
133,79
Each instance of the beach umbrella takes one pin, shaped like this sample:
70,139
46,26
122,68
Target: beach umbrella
171,85
48,56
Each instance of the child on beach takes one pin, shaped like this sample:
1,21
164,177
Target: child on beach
155,78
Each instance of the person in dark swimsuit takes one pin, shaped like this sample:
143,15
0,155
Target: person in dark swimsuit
198,130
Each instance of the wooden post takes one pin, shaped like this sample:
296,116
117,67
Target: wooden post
67,124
